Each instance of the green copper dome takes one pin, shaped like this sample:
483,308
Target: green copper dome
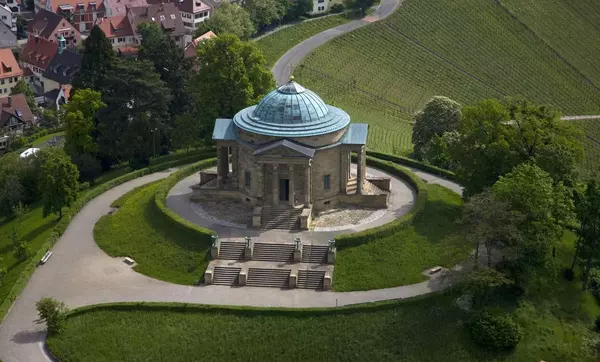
291,111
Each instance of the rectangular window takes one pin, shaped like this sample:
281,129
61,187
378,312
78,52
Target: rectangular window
247,178
326,182
1,81
121,40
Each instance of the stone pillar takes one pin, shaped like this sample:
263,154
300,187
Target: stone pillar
219,177
307,181
291,185
343,171
234,166
260,179
275,185
222,164
360,169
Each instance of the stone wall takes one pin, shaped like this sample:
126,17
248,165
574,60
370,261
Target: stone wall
316,141
326,162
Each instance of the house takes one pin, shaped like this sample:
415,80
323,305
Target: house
118,31
81,13
191,49
10,72
15,114
13,5
8,18
51,26
57,97
194,12
166,15
8,39
119,7
61,69
36,56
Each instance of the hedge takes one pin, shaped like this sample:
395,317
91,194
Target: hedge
350,240
160,199
62,225
416,164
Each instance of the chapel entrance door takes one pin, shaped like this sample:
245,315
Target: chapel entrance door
284,189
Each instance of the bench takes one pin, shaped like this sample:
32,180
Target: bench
129,261
434,270
46,257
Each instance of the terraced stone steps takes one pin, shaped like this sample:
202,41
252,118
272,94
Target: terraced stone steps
351,186
314,254
280,218
273,252
231,250
310,279
274,278
226,276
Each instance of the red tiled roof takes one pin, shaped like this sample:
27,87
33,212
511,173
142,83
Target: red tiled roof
39,52
27,72
57,4
190,49
128,50
193,6
115,26
8,64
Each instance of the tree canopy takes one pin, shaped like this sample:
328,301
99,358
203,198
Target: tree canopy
440,115
98,56
265,12
58,181
23,88
228,18
233,75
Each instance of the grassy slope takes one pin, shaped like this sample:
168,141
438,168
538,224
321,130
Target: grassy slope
47,137
140,231
464,49
433,238
276,44
555,319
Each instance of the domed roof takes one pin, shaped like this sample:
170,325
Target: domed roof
291,111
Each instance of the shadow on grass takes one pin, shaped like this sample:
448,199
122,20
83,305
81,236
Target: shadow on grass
39,230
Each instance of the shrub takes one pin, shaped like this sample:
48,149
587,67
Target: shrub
337,8
495,332
52,312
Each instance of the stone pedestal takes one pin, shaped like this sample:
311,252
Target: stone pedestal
331,256
214,251
297,255
327,281
293,279
208,276
257,217
248,252
242,278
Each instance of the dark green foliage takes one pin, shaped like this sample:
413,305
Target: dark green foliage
98,56
233,76
337,8
440,115
362,4
588,215
22,87
569,274
228,18
299,8
597,324
264,12
58,182
495,332
53,313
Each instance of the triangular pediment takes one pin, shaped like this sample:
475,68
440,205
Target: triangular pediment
283,149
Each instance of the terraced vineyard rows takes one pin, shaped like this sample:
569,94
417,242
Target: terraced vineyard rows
591,143
465,49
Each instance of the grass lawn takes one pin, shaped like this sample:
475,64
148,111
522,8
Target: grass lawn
276,44
555,320
433,238
467,50
35,230
161,249
46,138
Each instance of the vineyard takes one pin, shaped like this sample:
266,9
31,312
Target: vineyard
590,167
276,44
467,50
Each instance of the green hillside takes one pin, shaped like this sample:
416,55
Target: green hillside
468,50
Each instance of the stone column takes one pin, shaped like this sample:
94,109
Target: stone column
291,184
260,177
343,171
360,169
275,185
307,181
234,166
219,177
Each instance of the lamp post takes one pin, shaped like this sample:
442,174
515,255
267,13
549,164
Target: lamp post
153,131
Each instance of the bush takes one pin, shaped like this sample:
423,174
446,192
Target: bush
84,186
337,8
495,332
416,164
53,313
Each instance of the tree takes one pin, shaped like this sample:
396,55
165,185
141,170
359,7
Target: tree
98,56
58,182
299,8
265,12
362,4
53,313
588,214
169,61
137,94
20,247
187,132
11,194
229,18
23,88
439,115
496,137
544,204
490,222
233,76
482,282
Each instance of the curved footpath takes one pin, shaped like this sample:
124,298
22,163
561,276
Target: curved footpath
282,70
80,273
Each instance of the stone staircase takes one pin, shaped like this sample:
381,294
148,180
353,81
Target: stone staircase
314,254
273,252
226,276
368,188
310,279
274,278
231,250
280,218
351,186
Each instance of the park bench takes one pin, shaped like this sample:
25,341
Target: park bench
129,261
434,270
46,257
